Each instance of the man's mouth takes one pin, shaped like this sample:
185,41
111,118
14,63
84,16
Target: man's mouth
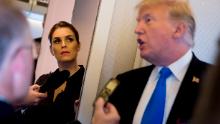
140,42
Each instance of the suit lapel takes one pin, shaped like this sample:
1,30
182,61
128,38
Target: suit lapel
182,109
130,90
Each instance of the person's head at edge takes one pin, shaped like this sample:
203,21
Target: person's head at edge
165,30
15,53
64,43
207,109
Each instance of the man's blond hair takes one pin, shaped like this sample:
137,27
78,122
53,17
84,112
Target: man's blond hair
179,10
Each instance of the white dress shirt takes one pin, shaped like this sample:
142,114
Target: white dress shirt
173,83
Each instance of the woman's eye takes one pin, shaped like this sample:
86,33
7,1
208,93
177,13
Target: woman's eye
56,41
70,39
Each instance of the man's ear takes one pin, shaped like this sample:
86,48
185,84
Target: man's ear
51,50
19,64
180,30
13,65
20,68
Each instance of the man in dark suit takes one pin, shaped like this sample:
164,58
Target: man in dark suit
165,31
16,60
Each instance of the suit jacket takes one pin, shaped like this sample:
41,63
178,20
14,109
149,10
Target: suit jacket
7,113
132,83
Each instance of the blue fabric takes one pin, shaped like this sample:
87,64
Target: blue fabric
155,109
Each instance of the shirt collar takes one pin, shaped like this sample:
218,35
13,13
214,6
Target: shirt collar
179,67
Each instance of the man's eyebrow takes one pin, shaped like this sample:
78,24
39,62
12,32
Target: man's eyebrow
143,16
146,15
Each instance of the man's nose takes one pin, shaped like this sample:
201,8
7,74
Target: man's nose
139,30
